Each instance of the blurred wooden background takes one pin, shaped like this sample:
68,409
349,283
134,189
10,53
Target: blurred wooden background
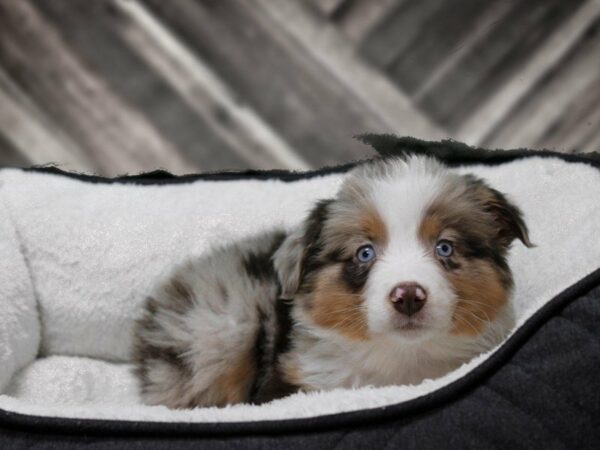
123,86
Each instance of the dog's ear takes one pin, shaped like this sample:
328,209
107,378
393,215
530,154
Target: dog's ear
287,261
301,244
508,217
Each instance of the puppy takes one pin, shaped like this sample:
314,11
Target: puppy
401,277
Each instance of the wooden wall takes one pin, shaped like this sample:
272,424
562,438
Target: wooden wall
116,86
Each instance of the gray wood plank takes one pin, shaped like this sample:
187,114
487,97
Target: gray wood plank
116,137
478,31
358,18
536,118
33,134
205,93
592,144
396,30
441,34
577,125
329,7
279,78
378,95
494,59
92,30
497,106
11,156
115,86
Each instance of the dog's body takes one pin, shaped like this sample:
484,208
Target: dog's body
401,277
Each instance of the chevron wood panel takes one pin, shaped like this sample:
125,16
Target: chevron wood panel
122,86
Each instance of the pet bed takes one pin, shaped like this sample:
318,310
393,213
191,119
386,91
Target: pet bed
78,255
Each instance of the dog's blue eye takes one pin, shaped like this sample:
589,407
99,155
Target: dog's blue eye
365,253
444,248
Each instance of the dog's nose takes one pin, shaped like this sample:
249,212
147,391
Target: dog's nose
408,298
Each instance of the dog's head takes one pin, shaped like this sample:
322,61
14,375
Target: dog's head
407,248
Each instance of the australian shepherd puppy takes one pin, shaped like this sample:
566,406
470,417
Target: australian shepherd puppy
401,277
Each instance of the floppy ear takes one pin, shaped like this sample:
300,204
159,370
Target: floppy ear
508,217
511,225
290,258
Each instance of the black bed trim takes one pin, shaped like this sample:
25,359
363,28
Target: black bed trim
363,417
453,154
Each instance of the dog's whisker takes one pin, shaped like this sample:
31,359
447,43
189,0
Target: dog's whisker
472,314
467,322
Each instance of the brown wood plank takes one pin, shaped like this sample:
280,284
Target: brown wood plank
116,137
279,78
534,121
497,56
93,30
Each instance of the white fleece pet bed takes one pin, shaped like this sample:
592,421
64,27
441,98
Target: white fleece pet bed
78,258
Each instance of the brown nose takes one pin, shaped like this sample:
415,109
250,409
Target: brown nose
408,298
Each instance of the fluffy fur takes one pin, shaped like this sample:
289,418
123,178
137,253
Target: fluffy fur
285,311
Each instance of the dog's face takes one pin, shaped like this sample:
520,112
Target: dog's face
407,249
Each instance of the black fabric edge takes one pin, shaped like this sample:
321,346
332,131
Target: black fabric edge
450,152
160,177
454,153
365,417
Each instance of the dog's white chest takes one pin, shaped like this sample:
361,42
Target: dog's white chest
332,365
